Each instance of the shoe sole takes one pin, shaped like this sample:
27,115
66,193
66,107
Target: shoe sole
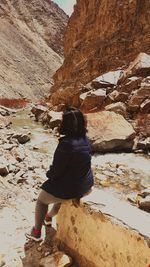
34,238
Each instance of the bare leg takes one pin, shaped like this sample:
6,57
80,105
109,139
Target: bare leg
40,212
54,210
41,208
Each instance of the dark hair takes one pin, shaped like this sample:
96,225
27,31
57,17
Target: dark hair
73,123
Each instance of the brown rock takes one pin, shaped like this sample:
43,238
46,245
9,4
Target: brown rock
145,204
109,132
3,170
95,45
138,97
132,84
139,67
93,99
145,106
142,124
58,259
22,138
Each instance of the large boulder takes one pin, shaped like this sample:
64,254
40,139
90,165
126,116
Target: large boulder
109,131
38,110
139,67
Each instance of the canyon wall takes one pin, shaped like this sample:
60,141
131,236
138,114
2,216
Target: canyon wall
31,41
101,36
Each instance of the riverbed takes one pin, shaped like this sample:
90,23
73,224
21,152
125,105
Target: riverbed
120,174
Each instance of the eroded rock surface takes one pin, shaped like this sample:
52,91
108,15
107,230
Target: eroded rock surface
101,36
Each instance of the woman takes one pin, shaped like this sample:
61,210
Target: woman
70,175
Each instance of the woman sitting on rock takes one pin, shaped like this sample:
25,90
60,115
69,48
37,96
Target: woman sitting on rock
70,175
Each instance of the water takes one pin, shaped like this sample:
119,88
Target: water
41,140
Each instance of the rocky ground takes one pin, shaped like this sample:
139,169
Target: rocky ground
22,171
31,40
26,150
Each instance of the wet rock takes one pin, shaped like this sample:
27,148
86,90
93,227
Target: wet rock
119,108
144,204
58,259
108,131
4,170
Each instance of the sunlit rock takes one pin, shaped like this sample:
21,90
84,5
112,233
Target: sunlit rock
109,132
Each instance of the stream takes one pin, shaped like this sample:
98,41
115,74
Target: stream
121,174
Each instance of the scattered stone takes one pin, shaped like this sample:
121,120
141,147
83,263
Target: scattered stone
22,138
144,204
4,170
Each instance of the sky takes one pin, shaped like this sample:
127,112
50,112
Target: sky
66,5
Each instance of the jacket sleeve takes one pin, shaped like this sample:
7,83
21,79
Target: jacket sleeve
60,161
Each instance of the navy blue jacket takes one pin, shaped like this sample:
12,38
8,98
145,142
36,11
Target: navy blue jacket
70,174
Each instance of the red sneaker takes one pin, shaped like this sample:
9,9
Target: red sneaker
35,235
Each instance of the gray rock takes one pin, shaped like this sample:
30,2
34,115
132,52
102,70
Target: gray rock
22,138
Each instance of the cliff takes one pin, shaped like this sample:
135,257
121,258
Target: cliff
31,41
101,36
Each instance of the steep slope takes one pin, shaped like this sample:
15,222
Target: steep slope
101,36
31,42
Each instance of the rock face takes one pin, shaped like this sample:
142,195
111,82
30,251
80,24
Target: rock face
105,137
101,36
31,40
